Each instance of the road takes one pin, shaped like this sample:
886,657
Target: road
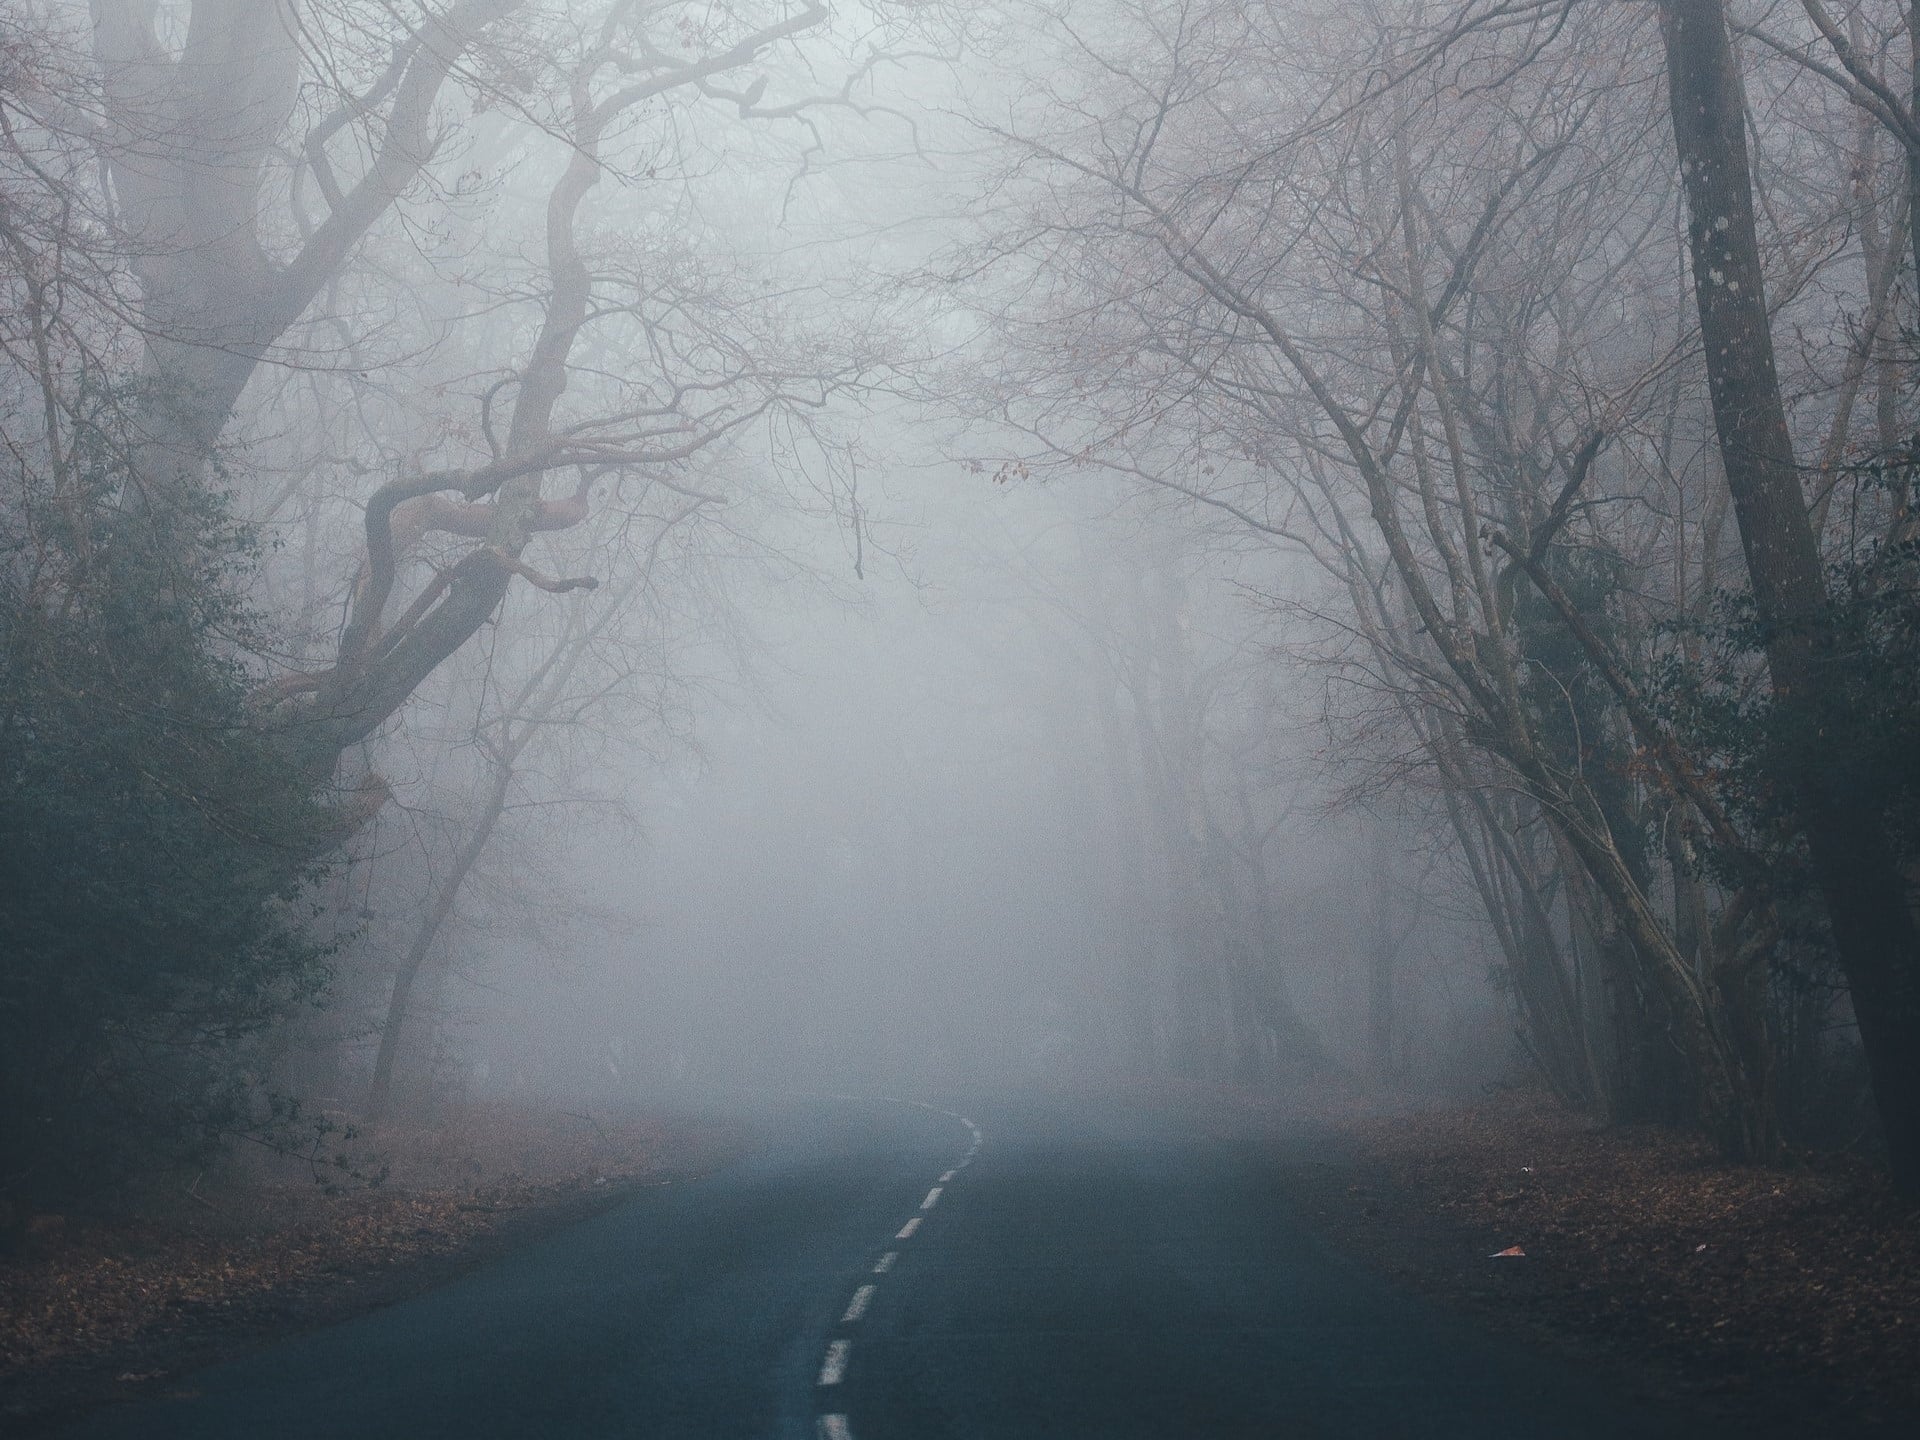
892,1270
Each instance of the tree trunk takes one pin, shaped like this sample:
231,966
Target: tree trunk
1511,895
1852,860
1382,953
404,978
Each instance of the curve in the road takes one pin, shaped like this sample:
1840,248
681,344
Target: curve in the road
834,1425
1108,1271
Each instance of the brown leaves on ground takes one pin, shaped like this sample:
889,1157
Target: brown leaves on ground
107,1283
1740,1277
133,1300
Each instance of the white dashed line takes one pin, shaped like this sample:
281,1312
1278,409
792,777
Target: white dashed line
857,1306
835,1367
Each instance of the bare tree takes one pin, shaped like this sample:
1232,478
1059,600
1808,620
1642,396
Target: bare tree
1367,324
252,158
564,690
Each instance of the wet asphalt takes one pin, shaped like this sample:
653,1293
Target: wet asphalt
1072,1278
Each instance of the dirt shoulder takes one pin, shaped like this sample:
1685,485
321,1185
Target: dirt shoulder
97,1310
1784,1300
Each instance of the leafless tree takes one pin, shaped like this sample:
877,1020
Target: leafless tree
1405,313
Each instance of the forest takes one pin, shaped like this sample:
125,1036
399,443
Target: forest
553,545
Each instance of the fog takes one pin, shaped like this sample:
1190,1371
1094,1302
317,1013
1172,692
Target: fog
908,848
590,552
932,718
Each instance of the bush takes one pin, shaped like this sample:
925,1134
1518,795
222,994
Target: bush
154,843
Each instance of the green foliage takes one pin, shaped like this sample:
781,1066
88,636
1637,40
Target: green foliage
154,844
1859,733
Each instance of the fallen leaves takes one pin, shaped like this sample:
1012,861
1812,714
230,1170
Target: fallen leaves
266,1255
1644,1237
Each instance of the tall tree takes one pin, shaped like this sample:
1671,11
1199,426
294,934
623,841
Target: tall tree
1866,896
251,161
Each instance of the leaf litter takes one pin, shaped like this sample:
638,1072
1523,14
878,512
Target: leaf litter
1790,1293
94,1308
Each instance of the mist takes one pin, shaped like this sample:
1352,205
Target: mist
906,854
600,595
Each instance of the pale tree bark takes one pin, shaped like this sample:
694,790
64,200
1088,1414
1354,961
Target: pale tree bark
192,141
189,143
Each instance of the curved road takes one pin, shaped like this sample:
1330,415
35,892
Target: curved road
890,1270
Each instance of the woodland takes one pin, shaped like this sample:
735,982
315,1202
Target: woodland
1483,432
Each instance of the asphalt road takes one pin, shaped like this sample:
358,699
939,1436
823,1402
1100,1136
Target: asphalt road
1064,1279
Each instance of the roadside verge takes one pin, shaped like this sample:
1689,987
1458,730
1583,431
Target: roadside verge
96,1310
1786,1300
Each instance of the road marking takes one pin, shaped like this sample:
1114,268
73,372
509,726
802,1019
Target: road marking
857,1306
835,1368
